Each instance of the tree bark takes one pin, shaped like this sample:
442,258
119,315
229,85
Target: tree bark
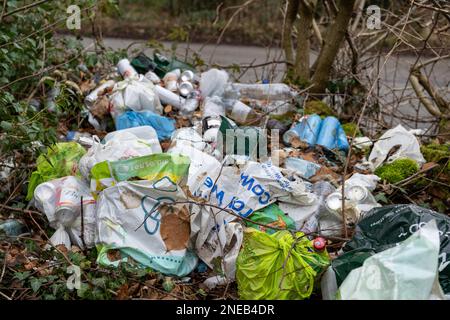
333,40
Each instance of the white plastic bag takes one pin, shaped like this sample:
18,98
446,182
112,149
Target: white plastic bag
213,82
137,218
405,272
214,240
123,145
408,147
137,95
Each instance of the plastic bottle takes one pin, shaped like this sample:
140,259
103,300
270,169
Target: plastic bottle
93,96
12,228
213,109
125,69
306,130
171,80
272,91
82,138
191,103
241,113
331,135
168,97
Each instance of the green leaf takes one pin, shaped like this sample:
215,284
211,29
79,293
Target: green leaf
83,292
36,283
7,126
168,284
21,275
381,197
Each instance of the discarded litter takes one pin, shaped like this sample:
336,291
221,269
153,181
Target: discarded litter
278,266
61,160
404,272
313,130
383,228
226,180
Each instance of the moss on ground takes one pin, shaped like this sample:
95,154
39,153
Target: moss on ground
398,170
434,152
350,129
318,107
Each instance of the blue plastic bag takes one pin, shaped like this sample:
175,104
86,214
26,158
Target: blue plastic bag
163,126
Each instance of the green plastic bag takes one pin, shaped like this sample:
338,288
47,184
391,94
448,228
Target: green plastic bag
382,228
152,167
61,160
271,216
260,273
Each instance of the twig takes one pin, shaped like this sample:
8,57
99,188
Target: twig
28,6
82,225
4,295
20,210
46,69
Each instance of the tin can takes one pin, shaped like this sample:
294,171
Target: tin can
45,193
68,199
171,81
185,88
93,96
126,69
334,202
357,193
187,75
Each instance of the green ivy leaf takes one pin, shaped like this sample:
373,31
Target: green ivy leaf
7,126
36,283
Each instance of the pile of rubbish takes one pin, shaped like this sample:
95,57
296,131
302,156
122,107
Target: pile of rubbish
206,175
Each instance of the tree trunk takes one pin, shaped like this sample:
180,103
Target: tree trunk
333,40
305,27
291,14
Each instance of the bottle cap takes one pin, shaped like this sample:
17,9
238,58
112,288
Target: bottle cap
319,243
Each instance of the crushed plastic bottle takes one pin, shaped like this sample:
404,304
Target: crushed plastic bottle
241,113
93,96
168,97
191,103
126,70
12,228
83,138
